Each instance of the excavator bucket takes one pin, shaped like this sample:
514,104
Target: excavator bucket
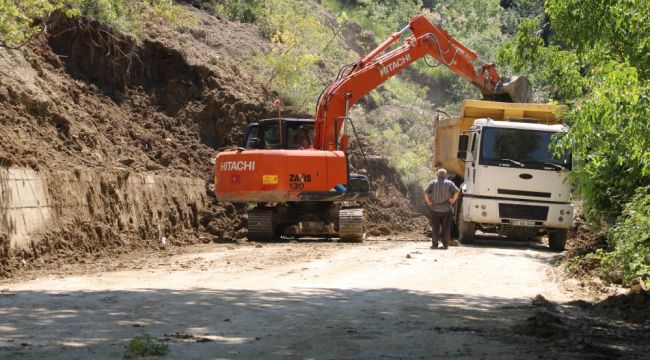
516,89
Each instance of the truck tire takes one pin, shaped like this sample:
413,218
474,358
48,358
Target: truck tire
557,239
466,230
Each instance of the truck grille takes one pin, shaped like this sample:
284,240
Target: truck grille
523,193
523,212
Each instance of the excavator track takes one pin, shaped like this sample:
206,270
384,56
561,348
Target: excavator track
260,225
351,224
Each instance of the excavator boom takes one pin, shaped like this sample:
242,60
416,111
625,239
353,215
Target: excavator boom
376,67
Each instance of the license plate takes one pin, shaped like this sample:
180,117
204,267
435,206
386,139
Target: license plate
522,223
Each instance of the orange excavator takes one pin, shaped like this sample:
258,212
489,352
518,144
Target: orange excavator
297,171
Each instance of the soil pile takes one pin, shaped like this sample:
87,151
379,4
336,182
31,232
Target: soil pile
587,328
581,238
86,96
389,210
86,100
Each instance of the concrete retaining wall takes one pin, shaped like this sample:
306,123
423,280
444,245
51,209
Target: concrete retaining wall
25,209
100,204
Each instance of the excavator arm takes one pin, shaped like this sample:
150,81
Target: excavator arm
373,69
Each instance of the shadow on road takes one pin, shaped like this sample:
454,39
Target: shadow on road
305,323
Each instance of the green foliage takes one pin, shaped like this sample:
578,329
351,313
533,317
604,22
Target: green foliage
552,69
238,10
595,56
130,17
618,30
142,346
403,130
22,20
629,240
305,52
611,133
384,17
603,75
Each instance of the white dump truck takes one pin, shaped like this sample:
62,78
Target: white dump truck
511,182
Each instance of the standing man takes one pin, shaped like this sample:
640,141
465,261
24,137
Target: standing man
440,195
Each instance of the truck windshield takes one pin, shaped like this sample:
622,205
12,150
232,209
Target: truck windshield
520,148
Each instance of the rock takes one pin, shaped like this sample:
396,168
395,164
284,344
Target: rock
383,229
240,234
408,256
637,286
454,242
214,230
546,324
636,289
127,161
374,232
540,301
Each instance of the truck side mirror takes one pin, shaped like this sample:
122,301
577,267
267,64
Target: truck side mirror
463,141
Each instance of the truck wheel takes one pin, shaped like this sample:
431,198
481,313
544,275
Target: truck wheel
466,230
557,239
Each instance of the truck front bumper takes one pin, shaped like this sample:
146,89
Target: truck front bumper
517,212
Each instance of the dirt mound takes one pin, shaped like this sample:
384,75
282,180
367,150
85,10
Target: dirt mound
389,210
632,307
585,328
94,98
582,239
86,99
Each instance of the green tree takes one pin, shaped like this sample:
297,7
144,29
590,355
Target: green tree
597,60
21,20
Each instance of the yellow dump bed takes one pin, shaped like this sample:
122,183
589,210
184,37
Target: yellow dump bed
448,130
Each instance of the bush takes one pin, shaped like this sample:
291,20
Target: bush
20,21
630,240
141,346
238,10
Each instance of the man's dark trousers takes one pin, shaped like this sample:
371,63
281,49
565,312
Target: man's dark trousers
440,223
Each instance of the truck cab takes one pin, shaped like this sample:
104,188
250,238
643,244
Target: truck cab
512,181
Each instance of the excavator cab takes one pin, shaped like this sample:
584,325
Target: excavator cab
279,134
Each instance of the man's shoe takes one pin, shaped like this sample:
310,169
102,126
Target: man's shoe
434,246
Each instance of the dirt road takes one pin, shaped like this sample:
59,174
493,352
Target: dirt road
309,300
